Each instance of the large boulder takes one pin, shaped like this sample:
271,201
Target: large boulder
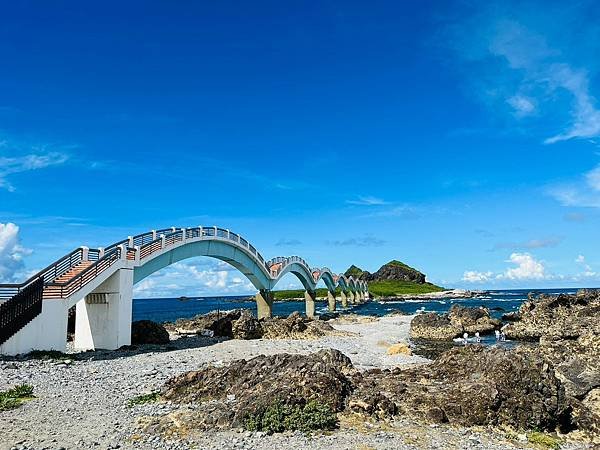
249,387
217,323
433,327
247,327
459,320
148,332
473,320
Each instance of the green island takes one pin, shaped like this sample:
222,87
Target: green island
393,278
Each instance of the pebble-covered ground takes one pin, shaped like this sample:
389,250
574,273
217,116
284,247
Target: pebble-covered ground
83,403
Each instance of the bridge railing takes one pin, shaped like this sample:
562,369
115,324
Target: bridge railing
53,271
64,289
150,246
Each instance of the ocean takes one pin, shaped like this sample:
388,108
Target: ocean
171,309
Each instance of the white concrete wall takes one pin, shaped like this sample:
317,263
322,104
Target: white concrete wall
106,325
48,331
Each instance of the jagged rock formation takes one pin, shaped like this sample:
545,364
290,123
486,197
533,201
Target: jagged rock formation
241,324
568,330
228,395
460,319
467,386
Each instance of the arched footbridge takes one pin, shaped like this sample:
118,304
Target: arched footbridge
99,282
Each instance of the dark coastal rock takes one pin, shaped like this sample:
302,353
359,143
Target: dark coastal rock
568,330
247,327
433,327
148,332
460,319
563,316
220,323
228,395
472,320
512,316
467,386
295,326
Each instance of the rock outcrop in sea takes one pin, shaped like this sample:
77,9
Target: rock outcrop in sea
393,270
459,320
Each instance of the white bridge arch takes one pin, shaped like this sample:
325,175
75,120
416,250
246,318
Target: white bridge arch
100,283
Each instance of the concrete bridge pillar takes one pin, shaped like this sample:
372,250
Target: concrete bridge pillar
103,318
344,299
264,304
351,297
331,300
309,298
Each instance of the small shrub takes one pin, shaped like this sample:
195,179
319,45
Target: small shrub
279,417
543,440
13,398
143,399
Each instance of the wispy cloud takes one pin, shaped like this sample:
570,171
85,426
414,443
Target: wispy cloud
367,201
283,242
575,217
364,241
517,60
26,163
531,244
584,192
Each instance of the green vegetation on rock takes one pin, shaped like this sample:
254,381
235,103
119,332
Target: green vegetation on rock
14,397
543,440
278,418
353,271
389,288
143,399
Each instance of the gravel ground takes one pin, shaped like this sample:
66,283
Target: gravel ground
82,403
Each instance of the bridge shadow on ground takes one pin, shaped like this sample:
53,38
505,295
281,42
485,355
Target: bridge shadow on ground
182,343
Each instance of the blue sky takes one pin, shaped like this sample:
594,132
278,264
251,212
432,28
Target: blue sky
460,137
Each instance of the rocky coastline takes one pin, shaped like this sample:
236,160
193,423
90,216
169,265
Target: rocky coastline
228,380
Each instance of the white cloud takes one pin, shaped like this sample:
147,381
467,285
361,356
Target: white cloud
523,106
472,276
367,201
587,269
527,268
202,277
11,253
26,163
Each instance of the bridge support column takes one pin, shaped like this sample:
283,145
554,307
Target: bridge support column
309,299
264,304
331,300
103,318
47,331
351,297
344,299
